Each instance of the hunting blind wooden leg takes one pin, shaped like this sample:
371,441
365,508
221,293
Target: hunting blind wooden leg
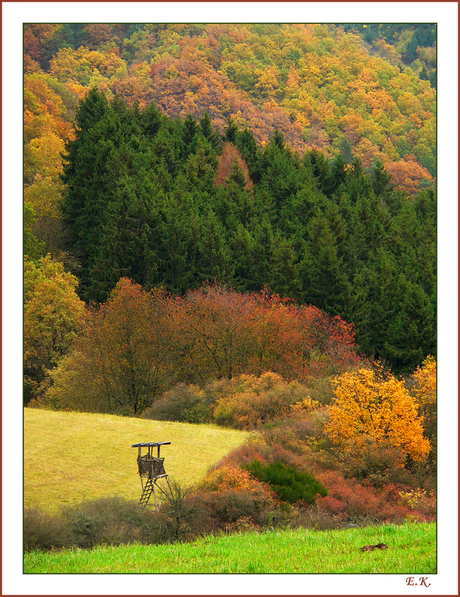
154,478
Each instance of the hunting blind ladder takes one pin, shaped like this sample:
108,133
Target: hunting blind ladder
152,473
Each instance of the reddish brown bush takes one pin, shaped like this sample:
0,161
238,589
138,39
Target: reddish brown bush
229,506
356,500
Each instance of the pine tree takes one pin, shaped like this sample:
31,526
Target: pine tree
208,132
262,252
89,184
283,278
231,132
214,263
241,244
412,332
151,120
381,180
320,169
338,174
129,243
175,256
247,146
327,286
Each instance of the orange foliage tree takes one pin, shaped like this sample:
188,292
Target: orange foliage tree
425,390
371,408
228,160
407,174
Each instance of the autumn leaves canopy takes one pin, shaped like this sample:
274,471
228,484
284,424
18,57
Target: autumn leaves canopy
141,343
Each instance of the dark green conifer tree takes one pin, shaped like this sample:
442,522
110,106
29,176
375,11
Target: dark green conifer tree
320,169
215,262
262,253
231,131
250,152
412,331
208,132
190,135
327,285
381,180
175,256
241,244
284,272
89,182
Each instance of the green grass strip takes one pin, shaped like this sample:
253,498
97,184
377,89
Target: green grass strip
411,550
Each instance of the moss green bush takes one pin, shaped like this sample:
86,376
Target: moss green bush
290,484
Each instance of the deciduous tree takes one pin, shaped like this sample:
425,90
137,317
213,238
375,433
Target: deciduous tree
119,365
53,317
370,406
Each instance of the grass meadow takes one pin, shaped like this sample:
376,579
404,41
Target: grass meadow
70,457
411,550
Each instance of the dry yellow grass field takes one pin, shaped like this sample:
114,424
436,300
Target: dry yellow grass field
69,456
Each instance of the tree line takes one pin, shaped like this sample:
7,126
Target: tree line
127,352
172,203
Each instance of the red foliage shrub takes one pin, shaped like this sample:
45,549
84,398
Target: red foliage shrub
244,454
233,478
348,496
229,506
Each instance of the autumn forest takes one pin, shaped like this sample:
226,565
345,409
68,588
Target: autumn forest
236,225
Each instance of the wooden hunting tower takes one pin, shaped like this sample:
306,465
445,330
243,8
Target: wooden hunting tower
152,473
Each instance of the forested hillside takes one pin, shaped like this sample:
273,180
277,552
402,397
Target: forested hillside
358,91
299,159
233,226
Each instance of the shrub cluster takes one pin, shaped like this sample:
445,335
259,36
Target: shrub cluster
243,402
366,491
114,521
249,402
45,532
184,517
183,403
111,521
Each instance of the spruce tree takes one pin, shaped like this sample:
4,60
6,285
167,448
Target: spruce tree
327,286
250,152
214,263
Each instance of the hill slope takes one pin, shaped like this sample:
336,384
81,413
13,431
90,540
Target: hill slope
71,456
323,87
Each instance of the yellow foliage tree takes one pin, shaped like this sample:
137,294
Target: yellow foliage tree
425,392
425,377
371,407
53,317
